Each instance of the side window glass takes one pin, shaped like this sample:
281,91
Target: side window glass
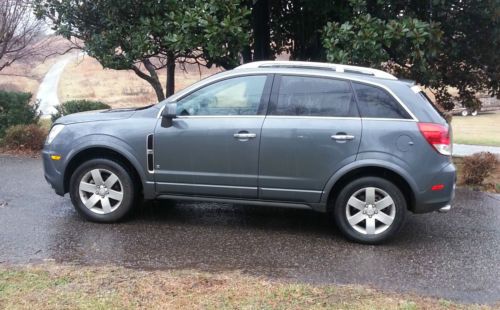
236,96
311,96
376,102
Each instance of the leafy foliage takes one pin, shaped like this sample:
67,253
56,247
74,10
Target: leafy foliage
75,106
128,33
449,43
25,137
16,109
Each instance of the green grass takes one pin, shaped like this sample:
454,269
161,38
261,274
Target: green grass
483,129
51,286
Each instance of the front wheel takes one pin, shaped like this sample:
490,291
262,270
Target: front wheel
102,190
370,210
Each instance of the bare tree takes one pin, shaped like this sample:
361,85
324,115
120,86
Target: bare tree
21,34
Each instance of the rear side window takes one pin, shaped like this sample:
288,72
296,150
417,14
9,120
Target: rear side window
378,103
311,96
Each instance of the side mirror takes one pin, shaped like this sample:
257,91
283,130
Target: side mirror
168,114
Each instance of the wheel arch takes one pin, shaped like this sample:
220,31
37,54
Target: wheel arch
394,174
89,153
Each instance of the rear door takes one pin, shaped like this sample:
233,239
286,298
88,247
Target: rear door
312,129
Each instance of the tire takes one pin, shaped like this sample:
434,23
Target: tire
474,112
104,204
370,223
464,113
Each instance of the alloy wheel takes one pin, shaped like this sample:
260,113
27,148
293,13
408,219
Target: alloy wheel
370,211
101,191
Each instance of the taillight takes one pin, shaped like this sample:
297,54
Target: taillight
438,136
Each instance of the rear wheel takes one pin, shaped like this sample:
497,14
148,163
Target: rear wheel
102,190
370,210
465,112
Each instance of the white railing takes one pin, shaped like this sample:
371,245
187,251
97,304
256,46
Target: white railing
318,65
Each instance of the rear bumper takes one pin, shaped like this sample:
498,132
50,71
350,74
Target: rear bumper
52,175
429,200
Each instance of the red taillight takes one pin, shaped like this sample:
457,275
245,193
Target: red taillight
438,136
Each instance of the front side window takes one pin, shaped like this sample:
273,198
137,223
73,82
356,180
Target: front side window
235,96
311,96
375,102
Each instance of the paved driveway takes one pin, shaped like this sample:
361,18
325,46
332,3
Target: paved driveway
454,255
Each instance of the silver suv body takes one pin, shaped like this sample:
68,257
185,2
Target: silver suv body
353,142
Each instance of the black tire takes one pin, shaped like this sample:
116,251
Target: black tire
340,205
126,185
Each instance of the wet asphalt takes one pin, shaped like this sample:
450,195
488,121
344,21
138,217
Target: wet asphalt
454,256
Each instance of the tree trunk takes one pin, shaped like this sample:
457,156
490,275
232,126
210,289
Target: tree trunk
170,75
246,53
261,30
152,79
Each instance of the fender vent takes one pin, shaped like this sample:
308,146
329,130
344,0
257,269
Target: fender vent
150,153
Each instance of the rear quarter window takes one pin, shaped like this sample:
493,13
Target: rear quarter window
375,102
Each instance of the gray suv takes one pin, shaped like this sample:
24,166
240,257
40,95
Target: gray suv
353,142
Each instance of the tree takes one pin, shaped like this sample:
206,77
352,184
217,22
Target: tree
440,44
146,36
291,26
19,32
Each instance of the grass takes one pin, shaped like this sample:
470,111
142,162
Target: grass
482,129
51,286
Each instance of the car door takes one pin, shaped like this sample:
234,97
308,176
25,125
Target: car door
212,147
312,129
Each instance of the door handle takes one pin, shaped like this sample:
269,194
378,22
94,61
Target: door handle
244,135
342,137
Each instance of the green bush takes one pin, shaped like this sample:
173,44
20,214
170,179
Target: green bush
478,167
75,106
15,109
25,137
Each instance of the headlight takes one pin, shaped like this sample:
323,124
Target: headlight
53,133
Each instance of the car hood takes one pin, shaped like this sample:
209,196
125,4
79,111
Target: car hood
95,116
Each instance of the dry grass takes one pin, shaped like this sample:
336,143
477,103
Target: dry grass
87,79
25,76
52,286
483,129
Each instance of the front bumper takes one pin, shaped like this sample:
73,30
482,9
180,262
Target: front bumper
52,174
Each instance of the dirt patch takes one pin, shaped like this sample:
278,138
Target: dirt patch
51,286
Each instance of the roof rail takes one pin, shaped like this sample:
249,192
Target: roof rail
318,65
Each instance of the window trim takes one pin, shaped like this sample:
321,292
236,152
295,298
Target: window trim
273,102
274,76
277,80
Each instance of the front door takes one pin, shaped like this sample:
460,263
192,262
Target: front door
313,129
212,148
